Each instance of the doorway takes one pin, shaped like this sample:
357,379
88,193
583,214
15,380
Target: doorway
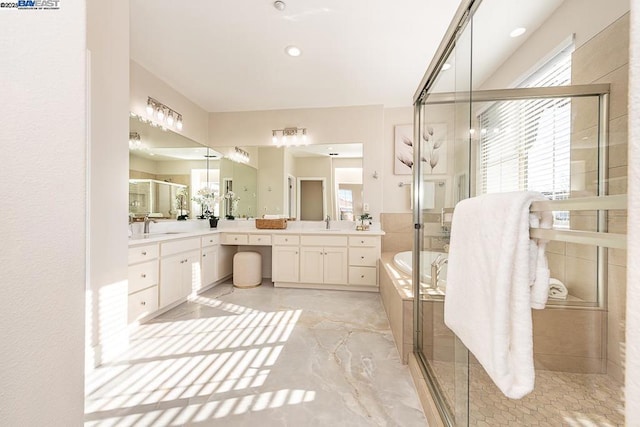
311,199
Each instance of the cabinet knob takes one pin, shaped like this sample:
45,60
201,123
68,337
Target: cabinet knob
144,252
210,241
362,276
143,303
296,252
204,255
361,257
143,275
286,240
362,241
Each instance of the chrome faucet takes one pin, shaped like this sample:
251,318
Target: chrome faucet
436,266
327,220
147,221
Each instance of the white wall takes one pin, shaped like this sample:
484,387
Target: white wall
145,84
324,125
42,115
632,381
108,41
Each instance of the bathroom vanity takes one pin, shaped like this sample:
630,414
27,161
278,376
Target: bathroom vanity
319,259
166,268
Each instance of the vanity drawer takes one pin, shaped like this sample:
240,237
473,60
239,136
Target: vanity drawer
286,240
143,253
143,303
235,239
364,241
260,239
143,275
324,240
177,246
211,240
363,257
363,276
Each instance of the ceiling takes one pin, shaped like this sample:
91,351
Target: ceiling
230,56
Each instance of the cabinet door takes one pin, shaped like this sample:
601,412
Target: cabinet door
171,279
285,264
225,261
209,265
191,273
311,264
335,265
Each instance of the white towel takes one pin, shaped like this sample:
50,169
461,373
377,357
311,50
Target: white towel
496,275
557,289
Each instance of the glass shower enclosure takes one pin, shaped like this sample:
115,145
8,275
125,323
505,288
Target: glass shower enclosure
494,115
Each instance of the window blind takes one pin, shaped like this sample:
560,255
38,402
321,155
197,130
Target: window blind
525,145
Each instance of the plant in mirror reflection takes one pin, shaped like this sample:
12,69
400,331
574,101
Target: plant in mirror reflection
207,198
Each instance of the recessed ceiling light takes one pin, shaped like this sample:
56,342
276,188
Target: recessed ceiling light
293,51
517,32
280,5
446,66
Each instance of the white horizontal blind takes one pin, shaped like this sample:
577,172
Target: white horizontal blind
525,145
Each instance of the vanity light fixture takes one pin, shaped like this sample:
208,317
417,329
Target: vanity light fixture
239,155
134,141
162,115
289,136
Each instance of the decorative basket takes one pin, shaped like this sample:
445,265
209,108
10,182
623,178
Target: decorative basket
271,224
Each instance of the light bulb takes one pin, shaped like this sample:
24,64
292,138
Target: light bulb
274,138
149,108
160,114
179,122
170,119
284,140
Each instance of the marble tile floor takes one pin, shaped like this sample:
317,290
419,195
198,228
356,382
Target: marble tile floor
259,357
559,399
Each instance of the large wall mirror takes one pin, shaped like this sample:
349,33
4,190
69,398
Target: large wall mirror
170,174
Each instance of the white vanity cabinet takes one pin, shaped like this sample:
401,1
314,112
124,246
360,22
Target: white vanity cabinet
143,281
323,259
364,252
285,258
179,269
209,263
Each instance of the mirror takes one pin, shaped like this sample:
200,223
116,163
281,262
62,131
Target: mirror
164,165
168,172
310,182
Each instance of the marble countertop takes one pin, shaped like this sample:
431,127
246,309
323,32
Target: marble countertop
155,237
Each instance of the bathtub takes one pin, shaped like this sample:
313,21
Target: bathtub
404,262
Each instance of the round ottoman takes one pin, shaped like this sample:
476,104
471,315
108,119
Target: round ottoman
247,269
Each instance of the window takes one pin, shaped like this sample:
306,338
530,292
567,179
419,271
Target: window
525,145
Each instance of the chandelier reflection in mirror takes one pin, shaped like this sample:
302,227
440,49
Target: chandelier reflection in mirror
289,136
134,141
161,115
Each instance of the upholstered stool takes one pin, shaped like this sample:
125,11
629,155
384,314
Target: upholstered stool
247,269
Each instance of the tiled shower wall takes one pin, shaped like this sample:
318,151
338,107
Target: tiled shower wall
603,59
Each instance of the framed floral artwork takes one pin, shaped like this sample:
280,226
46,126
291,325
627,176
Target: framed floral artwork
434,149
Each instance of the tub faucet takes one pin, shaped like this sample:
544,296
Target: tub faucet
147,221
436,266
327,220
